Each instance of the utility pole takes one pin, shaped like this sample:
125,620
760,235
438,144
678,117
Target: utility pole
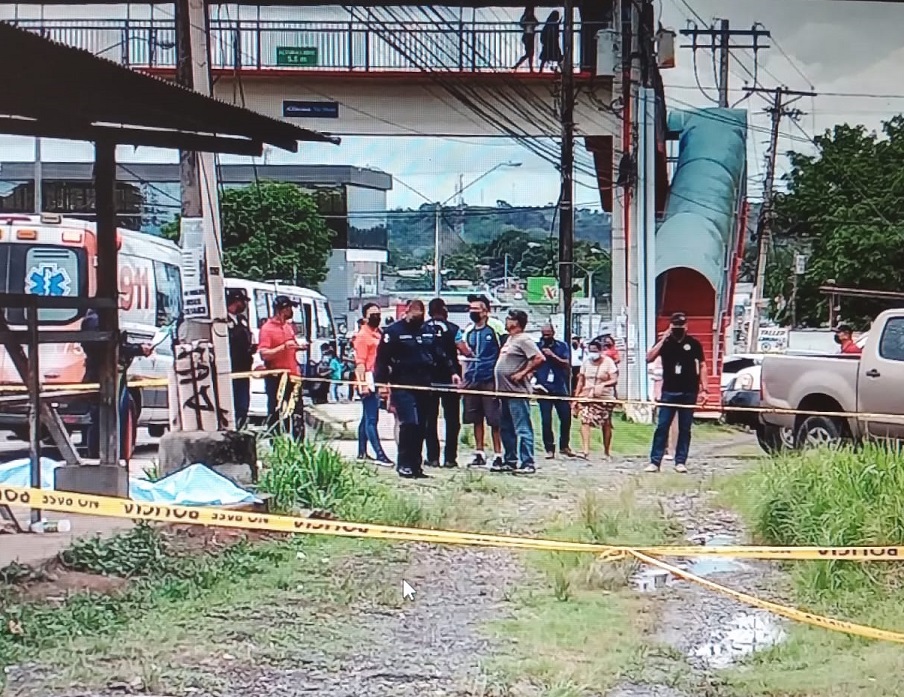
437,253
206,403
566,205
778,109
719,39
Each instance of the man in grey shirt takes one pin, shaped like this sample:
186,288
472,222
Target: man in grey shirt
519,357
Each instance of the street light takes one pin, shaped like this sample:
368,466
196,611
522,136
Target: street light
505,273
437,261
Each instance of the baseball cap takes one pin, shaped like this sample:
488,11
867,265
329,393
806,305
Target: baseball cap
679,319
236,294
844,327
282,301
480,298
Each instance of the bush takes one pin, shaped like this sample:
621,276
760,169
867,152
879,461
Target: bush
305,475
834,498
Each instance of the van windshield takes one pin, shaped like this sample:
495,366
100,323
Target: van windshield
43,269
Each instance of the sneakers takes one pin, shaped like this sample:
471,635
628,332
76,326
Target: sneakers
431,463
550,454
652,468
450,465
500,467
384,461
528,468
680,468
478,461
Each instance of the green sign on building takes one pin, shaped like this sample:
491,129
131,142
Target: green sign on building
544,290
297,56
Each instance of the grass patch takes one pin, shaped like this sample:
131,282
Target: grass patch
585,630
829,498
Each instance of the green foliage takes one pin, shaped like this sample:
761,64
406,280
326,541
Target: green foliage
833,498
137,552
845,208
271,230
305,475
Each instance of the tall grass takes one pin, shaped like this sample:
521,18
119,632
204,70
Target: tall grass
833,498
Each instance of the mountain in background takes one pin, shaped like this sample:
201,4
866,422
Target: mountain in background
414,230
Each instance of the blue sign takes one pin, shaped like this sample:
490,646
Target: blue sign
48,279
292,109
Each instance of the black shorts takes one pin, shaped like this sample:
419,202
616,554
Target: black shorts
480,407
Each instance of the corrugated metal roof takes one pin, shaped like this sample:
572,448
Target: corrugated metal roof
73,88
700,216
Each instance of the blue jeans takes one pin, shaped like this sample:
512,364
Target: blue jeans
685,421
367,428
517,431
563,410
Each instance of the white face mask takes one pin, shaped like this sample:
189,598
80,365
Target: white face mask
595,355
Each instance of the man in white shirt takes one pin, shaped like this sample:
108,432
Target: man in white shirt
577,360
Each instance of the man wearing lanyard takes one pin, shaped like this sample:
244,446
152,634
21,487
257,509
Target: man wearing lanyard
554,378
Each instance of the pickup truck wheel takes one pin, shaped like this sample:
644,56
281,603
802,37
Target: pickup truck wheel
819,432
773,439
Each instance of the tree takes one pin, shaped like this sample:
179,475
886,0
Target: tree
271,230
845,208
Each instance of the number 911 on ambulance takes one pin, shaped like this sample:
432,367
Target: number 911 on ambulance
55,256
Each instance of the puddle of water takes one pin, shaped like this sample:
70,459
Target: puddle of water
744,634
707,566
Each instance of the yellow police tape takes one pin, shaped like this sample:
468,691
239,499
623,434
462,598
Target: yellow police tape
124,508
611,402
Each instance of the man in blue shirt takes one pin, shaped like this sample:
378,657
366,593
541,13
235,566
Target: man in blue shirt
554,378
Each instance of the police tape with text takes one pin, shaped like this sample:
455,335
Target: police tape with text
64,391
121,508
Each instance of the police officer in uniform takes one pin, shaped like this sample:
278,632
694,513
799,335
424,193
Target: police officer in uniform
241,351
446,336
408,356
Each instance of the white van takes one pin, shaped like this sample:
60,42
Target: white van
56,256
313,322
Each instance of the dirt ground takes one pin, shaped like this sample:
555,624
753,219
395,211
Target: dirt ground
335,624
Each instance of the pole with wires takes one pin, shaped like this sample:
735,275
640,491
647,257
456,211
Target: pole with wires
566,205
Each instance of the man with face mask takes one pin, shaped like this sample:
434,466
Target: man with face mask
365,345
554,378
409,357
279,347
684,379
844,337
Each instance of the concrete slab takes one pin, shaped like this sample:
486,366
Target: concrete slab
100,480
230,453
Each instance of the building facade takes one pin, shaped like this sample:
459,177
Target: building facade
352,200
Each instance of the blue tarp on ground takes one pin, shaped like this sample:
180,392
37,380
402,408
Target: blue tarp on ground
196,485
700,216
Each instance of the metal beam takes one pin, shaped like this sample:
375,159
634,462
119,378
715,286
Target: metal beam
151,138
54,337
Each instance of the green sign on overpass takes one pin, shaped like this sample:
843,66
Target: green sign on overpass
297,56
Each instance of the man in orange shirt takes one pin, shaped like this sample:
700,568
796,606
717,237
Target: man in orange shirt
278,346
844,337
365,343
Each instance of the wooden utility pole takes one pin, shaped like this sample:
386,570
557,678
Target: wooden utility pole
719,39
778,109
566,204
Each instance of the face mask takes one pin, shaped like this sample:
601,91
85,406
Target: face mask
837,339
548,341
374,320
678,333
475,317
415,321
595,354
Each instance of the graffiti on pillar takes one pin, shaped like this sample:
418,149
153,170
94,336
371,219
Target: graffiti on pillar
195,387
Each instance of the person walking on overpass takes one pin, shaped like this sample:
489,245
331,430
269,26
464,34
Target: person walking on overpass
480,345
554,380
529,23
550,45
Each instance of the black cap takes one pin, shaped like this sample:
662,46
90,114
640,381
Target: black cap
281,302
480,298
679,319
234,295
844,327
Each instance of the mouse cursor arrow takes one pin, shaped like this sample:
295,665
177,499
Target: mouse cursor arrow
408,591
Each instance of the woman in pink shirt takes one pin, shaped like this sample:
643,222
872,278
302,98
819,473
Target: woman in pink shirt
365,343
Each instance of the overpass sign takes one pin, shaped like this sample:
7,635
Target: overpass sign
297,56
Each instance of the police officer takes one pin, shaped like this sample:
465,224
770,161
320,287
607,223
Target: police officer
241,351
446,337
408,356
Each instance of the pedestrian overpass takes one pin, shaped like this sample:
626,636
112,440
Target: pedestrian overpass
370,77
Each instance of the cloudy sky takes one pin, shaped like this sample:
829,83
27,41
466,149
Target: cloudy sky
849,52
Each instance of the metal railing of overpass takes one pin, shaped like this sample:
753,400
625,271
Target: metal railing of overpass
464,46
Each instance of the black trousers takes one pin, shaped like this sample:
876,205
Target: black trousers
451,404
276,403
411,409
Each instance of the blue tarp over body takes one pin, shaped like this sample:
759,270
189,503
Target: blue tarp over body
196,485
701,215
